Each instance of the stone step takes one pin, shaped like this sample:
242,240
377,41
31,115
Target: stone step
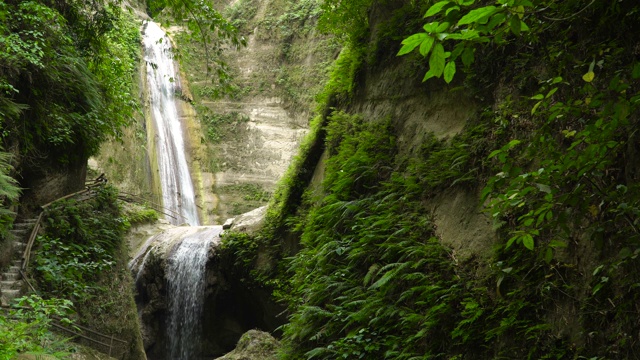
11,276
18,248
24,225
10,285
19,232
8,295
27,221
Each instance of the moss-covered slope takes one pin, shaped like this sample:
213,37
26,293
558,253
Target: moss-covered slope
534,143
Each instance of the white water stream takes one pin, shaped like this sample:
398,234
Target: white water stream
186,286
178,195
186,249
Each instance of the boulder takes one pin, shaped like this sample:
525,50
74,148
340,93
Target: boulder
254,345
249,222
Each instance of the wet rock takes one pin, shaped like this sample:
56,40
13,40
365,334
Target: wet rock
228,224
231,306
249,222
254,345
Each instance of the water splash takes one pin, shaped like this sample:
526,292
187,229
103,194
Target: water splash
186,250
178,195
186,284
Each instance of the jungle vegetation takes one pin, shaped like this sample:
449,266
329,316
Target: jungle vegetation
551,157
553,161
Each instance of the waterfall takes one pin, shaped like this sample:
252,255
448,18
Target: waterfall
186,249
178,195
186,285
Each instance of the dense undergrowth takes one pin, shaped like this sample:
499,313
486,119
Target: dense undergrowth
80,271
65,78
82,257
66,71
552,156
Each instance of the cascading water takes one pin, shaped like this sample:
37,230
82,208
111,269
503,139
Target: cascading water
177,188
186,248
186,285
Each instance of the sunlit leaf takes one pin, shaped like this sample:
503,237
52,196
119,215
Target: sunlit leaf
588,77
442,27
527,241
476,15
426,45
411,43
449,71
428,75
436,8
437,60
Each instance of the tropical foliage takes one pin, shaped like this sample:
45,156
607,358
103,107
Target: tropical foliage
65,77
29,331
79,245
552,156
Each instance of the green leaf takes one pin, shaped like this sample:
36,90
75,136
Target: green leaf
636,71
431,27
477,14
537,97
453,8
442,27
411,43
544,188
437,60
485,193
548,255
494,153
467,56
588,77
449,71
426,45
496,21
535,107
436,8
514,25
513,143
469,34
428,75
527,241
557,244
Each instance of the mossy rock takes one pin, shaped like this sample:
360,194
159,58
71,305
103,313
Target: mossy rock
254,344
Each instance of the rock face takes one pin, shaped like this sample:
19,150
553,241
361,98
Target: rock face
254,345
42,186
229,307
248,222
